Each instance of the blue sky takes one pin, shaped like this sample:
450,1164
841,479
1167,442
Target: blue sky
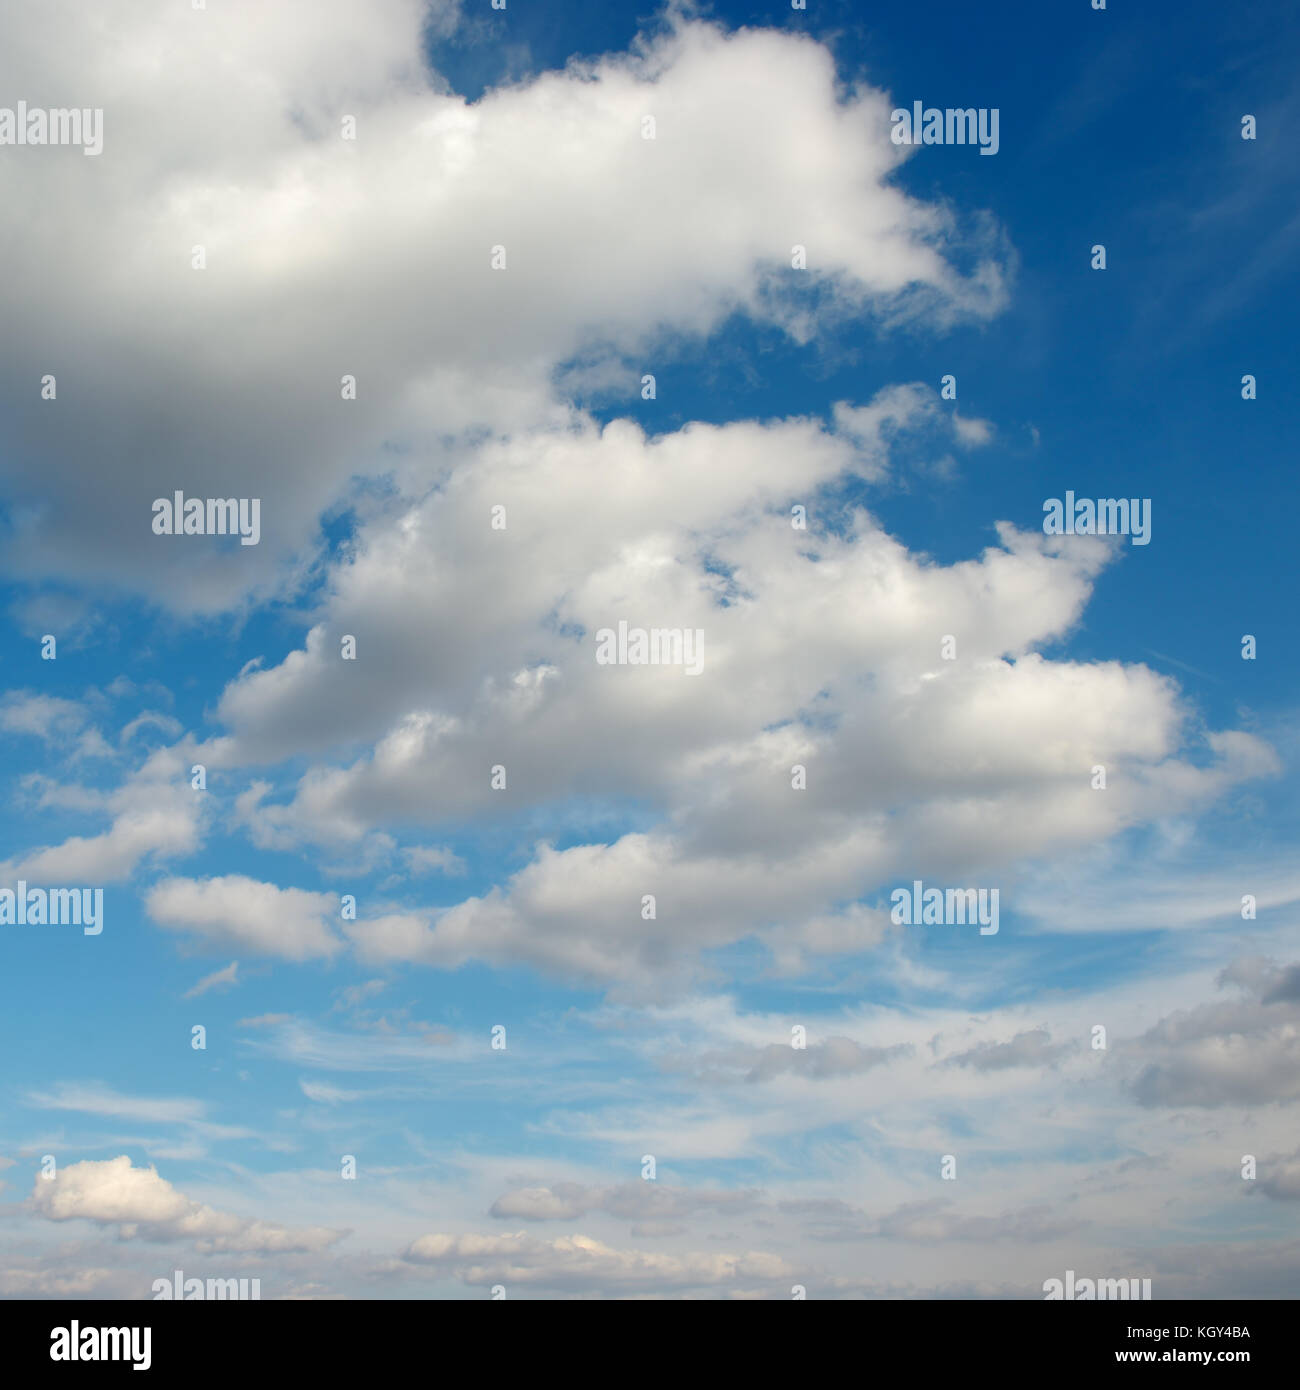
776,1167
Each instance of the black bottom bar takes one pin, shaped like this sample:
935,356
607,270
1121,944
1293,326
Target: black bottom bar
338,1338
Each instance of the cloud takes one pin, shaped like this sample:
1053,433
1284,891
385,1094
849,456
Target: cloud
579,1263
644,1202
241,912
934,1221
1240,1053
33,1280
755,136
228,975
91,1099
353,996
833,1057
150,719
972,432
185,1113
417,1048
1280,1178
155,815
822,650
821,646
141,1203
325,1094
41,716
1032,1048
427,859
